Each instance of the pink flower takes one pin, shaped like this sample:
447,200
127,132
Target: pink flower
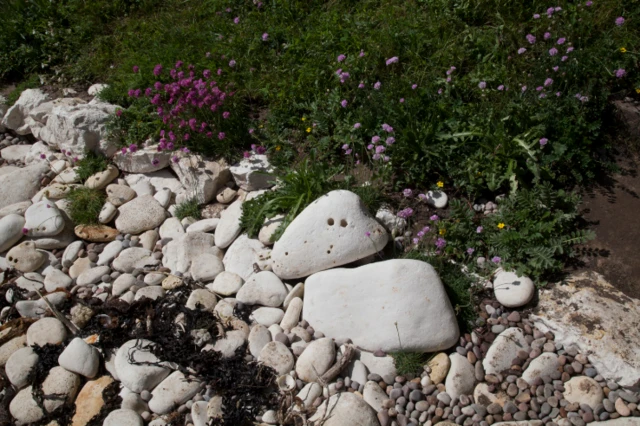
155,161
548,82
558,94
521,50
221,135
123,151
136,69
470,251
370,146
226,114
179,64
392,60
531,38
501,87
265,36
589,3
401,100
232,63
375,139
341,58
536,16
408,193
361,53
236,20
524,88
479,229
619,21
251,131
547,35
434,218
43,156
620,73
387,128
496,259
133,147
246,154
405,213
414,86
390,140
119,112
564,58
482,85
569,49
543,141
380,149
157,70
377,85
556,68
553,51
368,234
186,136
175,159
357,125
25,231
561,40
344,103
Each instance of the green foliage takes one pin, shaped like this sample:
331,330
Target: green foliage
533,232
92,163
189,208
85,205
297,188
409,362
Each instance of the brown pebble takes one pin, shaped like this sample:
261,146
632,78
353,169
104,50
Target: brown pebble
471,357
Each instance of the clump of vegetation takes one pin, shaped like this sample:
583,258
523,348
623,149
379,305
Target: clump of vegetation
85,205
189,208
409,362
91,164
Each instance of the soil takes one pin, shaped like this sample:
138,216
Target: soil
612,210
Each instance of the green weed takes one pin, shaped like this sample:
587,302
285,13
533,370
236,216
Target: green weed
91,164
409,362
188,208
85,205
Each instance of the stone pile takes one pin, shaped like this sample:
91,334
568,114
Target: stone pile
316,307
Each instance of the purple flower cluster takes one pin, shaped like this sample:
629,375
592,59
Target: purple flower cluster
405,213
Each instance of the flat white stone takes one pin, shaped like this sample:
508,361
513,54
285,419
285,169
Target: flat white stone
334,230
93,275
206,267
68,176
171,228
81,358
204,225
544,365
119,194
107,213
62,386
149,239
146,373
269,228
588,313
163,197
292,314
122,284
263,288
583,390
21,185
513,291
180,253
101,179
461,377
10,231
503,350
56,279
267,316
374,395
134,258
277,356
345,409
152,293
228,228
20,365
43,219
258,338
316,359
71,252
144,160
242,255
18,208
15,152
226,283
173,391
123,417
297,291
24,408
202,299
15,116
46,330
139,215
202,178
393,305
308,394
110,252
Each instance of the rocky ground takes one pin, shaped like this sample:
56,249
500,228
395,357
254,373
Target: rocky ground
149,319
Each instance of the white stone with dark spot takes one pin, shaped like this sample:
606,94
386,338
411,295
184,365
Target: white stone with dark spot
437,199
206,267
202,299
153,293
583,390
119,194
504,350
374,395
139,215
25,257
513,291
107,213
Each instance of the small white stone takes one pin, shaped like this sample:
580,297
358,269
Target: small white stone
57,279
583,390
297,291
171,392
145,374
81,358
504,349
316,359
71,252
43,219
263,288
226,195
93,275
460,378
24,408
10,231
46,330
270,417
437,199
123,417
292,315
101,179
258,338
242,255
226,283
107,213
110,252
152,293
344,409
544,365
277,356
374,395
228,228
269,228
20,365
513,291
163,197
228,345
140,214
62,385
134,258
154,278
123,283
206,267
119,194
202,299
253,173
149,239
204,225
267,316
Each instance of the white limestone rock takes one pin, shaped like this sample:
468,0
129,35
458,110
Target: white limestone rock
20,365
228,228
242,255
139,215
334,230
81,358
253,173
345,409
10,231
144,160
15,116
263,288
61,386
461,377
203,178
511,290
504,350
171,392
25,257
226,283
119,194
146,373
405,302
21,185
277,356
316,359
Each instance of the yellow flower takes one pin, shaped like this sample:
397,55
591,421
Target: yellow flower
442,231
308,129
623,50
278,148
440,184
501,225
304,118
638,91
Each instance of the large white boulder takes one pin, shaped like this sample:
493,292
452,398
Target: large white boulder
38,116
77,128
394,305
588,313
202,178
334,230
15,116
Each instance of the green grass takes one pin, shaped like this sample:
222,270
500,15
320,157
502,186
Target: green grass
409,362
91,164
188,208
85,205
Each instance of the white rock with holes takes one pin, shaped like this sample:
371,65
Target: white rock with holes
334,230
513,291
393,305
43,219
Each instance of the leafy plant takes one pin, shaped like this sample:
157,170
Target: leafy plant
85,205
189,208
409,362
91,164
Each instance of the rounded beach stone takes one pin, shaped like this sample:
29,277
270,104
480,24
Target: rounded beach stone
25,257
19,366
24,408
277,356
62,386
10,231
226,283
81,358
316,359
123,417
583,390
46,330
513,291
